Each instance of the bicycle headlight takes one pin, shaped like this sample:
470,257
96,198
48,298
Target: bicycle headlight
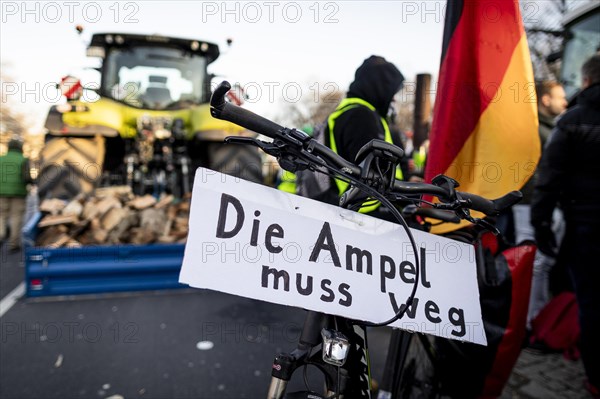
335,347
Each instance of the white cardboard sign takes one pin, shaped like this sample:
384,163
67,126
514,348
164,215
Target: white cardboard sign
258,242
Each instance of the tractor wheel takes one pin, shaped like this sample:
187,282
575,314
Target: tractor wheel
70,165
238,160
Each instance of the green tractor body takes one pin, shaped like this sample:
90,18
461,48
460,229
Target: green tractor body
148,124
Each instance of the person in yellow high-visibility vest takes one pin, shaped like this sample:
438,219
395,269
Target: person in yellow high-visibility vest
286,181
361,116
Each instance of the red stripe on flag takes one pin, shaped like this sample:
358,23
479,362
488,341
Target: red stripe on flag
479,53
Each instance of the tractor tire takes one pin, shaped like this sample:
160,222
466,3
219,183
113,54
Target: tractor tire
237,160
70,165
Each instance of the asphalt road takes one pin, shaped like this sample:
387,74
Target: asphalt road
146,344
183,344
11,270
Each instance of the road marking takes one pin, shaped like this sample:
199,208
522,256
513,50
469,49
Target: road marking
8,301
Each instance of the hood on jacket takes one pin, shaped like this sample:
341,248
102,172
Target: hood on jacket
376,81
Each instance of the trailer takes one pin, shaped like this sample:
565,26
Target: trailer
98,269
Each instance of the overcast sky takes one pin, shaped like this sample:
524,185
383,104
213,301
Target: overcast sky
276,43
317,45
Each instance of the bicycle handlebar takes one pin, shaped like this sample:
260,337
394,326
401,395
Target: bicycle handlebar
221,109
491,207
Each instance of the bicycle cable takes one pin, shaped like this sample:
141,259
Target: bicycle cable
381,198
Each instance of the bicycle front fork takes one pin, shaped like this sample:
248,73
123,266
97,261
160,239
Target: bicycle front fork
333,351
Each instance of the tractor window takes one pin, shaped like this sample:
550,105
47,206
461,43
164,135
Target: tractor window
583,41
158,78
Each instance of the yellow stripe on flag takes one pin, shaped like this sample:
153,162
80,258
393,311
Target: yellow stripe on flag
502,152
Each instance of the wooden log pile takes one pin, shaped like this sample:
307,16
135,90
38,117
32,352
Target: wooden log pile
113,216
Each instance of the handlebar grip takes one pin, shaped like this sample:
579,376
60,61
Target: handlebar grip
417,188
432,213
492,207
439,214
479,203
221,109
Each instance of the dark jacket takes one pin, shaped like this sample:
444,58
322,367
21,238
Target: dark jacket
376,81
546,124
569,171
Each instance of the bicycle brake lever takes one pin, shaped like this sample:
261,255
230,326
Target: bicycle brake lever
456,205
465,214
241,140
290,154
267,147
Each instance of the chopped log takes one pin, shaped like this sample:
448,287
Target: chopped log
73,208
90,210
86,238
79,227
142,202
164,201
73,244
106,204
181,223
59,241
180,233
140,236
95,224
53,220
48,235
115,191
52,205
113,217
120,233
171,214
153,220
184,207
166,239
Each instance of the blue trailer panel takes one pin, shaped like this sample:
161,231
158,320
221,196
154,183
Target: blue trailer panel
98,269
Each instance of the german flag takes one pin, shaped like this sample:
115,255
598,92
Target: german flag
484,132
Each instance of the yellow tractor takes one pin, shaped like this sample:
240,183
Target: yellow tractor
147,125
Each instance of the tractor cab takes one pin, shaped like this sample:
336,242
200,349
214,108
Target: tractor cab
153,72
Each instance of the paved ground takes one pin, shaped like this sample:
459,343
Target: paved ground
547,376
145,345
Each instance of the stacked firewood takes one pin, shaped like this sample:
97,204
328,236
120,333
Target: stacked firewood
113,216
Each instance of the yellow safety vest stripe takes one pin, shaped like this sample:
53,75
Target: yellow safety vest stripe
345,105
288,182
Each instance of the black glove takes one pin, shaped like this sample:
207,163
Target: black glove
545,241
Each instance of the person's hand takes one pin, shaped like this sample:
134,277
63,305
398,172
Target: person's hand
545,241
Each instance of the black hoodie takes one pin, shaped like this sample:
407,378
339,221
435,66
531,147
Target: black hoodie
376,81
